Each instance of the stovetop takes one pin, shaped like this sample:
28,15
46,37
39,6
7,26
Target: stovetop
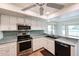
23,38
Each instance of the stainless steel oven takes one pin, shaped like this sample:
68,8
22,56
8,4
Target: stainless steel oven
24,40
24,45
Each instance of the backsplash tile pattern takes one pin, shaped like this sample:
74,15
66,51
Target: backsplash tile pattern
13,34
9,35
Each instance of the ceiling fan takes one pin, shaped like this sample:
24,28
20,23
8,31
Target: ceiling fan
41,9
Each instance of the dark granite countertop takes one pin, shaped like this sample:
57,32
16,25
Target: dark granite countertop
67,40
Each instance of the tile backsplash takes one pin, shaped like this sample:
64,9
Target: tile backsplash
36,32
13,34
1,35
9,35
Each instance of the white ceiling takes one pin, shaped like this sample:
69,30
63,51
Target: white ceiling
36,9
47,10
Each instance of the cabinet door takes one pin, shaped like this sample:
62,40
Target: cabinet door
4,50
4,22
20,20
51,46
8,49
33,25
13,49
45,43
8,22
41,42
13,22
37,44
12,28
36,25
73,53
28,22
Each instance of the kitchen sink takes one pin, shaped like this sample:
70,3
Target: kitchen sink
54,37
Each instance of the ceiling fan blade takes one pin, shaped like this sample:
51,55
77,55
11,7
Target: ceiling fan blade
55,5
41,10
26,8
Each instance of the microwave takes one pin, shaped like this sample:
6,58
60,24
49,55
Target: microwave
24,27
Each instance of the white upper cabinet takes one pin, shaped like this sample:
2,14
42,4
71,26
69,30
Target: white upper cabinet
20,20
33,25
36,25
12,22
4,22
8,23
28,21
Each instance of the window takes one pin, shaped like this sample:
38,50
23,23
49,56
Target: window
60,30
53,29
63,30
49,29
73,30
67,30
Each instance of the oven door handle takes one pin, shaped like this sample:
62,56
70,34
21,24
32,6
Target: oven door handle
64,45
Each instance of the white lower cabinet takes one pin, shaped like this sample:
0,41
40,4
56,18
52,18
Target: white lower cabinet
8,49
37,43
4,51
47,43
13,49
73,51
51,46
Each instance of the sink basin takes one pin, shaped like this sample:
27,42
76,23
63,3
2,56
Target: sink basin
52,37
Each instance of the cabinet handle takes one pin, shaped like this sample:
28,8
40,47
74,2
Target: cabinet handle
64,45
